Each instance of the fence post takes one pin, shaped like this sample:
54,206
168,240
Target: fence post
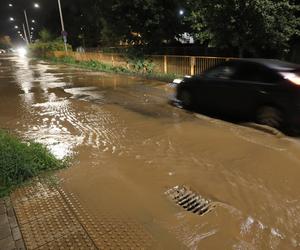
165,65
193,65
112,59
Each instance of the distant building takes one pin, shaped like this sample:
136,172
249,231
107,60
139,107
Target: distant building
186,38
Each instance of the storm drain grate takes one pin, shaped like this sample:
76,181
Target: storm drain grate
190,200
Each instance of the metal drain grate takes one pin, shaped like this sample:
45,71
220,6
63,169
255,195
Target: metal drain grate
190,200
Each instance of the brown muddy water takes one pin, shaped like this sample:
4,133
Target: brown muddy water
129,147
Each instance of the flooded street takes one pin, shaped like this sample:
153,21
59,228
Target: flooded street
129,147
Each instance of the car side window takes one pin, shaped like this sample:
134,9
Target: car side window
256,73
221,72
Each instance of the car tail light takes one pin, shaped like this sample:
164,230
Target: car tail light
292,77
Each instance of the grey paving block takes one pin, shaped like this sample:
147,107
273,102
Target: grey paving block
3,219
16,234
4,231
10,212
2,208
13,222
20,245
7,244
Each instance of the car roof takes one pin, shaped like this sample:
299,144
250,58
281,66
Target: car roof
273,64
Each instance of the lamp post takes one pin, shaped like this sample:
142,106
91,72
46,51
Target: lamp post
25,34
27,24
63,32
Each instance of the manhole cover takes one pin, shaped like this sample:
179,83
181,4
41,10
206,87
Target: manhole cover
190,200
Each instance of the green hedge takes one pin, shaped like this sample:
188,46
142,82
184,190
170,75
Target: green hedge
43,49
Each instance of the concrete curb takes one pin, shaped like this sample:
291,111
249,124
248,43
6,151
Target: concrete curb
10,234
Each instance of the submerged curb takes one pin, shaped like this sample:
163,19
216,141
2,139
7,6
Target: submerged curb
264,128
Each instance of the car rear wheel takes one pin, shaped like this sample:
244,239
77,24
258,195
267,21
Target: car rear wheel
270,116
186,99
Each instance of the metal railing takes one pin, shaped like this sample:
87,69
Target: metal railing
165,64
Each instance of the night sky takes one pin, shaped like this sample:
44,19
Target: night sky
47,8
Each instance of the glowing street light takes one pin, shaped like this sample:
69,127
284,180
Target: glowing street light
35,5
181,12
16,27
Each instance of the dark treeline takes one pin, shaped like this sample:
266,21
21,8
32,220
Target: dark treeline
252,28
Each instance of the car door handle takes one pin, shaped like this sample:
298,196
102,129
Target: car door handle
263,92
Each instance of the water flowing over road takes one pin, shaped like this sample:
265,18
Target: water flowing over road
129,146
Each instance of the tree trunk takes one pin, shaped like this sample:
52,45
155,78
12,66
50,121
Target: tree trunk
241,52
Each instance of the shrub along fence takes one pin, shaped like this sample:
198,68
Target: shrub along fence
163,64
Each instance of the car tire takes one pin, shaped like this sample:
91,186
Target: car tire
186,99
270,116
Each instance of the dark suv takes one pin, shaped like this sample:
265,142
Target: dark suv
263,90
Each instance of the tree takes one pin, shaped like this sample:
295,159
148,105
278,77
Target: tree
144,22
45,36
5,42
252,26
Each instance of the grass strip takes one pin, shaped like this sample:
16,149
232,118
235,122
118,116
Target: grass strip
107,68
21,161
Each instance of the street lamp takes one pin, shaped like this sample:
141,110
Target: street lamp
181,12
63,32
16,27
26,39
10,5
11,19
35,5
27,24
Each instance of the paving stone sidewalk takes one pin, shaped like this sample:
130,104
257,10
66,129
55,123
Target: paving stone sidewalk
10,235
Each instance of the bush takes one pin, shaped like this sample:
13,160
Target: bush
137,60
43,49
20,161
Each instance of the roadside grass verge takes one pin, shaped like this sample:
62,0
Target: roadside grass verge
107,68
22,161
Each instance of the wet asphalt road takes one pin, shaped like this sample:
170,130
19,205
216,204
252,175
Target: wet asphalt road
129,146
